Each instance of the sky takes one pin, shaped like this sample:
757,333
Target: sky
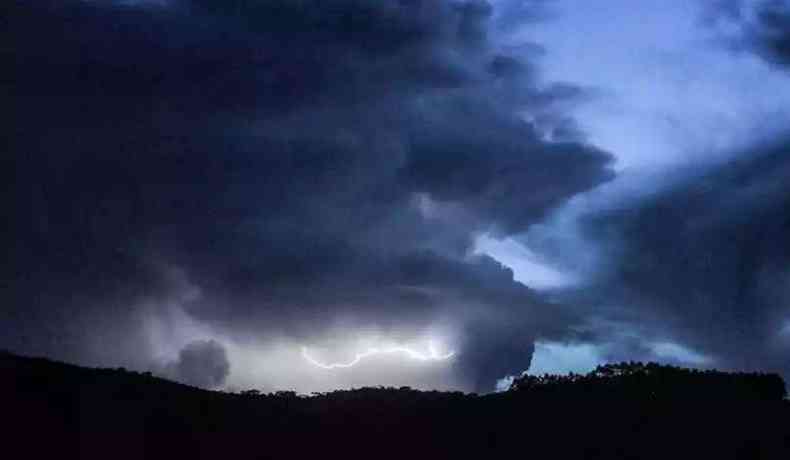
311,195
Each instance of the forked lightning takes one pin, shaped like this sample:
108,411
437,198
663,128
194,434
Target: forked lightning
432,355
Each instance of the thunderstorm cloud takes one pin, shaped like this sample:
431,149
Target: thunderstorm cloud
305,165
205,187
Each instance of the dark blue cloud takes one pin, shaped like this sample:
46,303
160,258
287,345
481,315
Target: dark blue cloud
704,262
276,152
202,363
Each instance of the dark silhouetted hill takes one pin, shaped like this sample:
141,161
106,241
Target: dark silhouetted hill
630,410
636,380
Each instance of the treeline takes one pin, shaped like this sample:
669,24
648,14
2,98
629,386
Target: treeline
626,380
626,410
636,380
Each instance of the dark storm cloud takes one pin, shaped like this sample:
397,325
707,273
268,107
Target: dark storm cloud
772,31
763,27
691,265
202,363
705,263
300,161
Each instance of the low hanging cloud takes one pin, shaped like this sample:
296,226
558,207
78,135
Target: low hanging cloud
311,166
689,265
707,259
205,186
697,273
202,363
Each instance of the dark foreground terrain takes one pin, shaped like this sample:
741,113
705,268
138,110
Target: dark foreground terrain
630,410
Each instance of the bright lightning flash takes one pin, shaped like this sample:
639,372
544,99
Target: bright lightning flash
432,355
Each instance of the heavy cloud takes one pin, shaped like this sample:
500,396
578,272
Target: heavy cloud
703,263
689,264
301,164
754,26
202,363
770,35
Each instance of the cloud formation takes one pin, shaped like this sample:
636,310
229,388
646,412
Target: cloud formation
202,363
688,263
310,166
703,263
754,26
770,35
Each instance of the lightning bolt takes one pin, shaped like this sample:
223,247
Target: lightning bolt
432,355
